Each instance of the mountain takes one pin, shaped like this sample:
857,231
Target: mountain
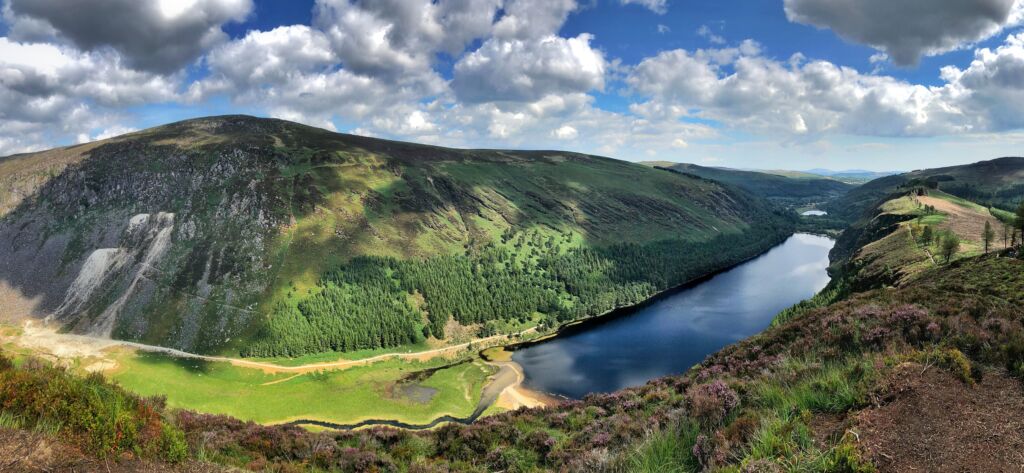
790,191
875,380
998,183
243,235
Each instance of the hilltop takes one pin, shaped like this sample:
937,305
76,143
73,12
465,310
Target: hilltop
257,236
993,183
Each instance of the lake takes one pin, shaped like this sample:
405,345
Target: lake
678,330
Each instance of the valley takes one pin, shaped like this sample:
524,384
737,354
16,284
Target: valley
396,306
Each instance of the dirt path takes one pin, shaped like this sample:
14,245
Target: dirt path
46,340
928,420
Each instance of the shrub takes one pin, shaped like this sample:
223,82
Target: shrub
712,403
845,458
1014,353
174,448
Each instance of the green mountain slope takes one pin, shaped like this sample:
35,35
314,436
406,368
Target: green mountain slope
787,190
267,237
880,381
998,183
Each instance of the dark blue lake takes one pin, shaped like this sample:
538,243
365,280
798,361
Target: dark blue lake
679,330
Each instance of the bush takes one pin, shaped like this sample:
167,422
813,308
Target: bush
105,419
174,448
712,403
1014,352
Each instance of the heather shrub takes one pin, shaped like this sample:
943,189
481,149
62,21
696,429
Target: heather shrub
106,419
712,403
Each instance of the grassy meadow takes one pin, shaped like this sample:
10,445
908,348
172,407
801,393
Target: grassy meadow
378,391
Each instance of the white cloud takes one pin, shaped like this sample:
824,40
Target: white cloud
990,91
154,36
48,91
811,99
531,19
909,29
528,70
663,29
565,132
389,38
789,99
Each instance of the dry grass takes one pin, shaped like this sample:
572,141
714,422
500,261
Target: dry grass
966,221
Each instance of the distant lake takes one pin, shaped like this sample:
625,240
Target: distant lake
677,331
815,213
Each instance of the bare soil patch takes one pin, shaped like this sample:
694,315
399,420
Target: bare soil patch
930,421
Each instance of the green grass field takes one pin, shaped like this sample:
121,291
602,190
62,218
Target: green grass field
345,396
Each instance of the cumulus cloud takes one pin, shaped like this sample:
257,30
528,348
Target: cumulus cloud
792,99
528,70
800,98
909,29
160,36
531,19
395,37
991,89
292,72
47,90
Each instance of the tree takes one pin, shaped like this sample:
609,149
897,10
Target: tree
988,235
950,245
927,236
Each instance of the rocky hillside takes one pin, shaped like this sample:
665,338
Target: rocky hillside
228,233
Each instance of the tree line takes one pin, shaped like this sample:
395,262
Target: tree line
367,303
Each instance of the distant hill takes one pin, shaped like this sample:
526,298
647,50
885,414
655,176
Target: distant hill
853,176
788,190
998,183
266,237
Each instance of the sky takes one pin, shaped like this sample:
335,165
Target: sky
760,84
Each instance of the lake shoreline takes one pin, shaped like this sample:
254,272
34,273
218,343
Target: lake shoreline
678,327
583,324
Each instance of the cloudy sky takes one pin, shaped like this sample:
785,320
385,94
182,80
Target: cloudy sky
794,84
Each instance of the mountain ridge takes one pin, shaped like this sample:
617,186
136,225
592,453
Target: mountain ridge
199,233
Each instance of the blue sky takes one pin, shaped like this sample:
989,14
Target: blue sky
790,84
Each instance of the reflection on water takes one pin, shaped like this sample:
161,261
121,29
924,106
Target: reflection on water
678,331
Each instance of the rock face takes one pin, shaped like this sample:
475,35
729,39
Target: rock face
143,240
183,235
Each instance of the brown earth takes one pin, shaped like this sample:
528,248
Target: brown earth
930,421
